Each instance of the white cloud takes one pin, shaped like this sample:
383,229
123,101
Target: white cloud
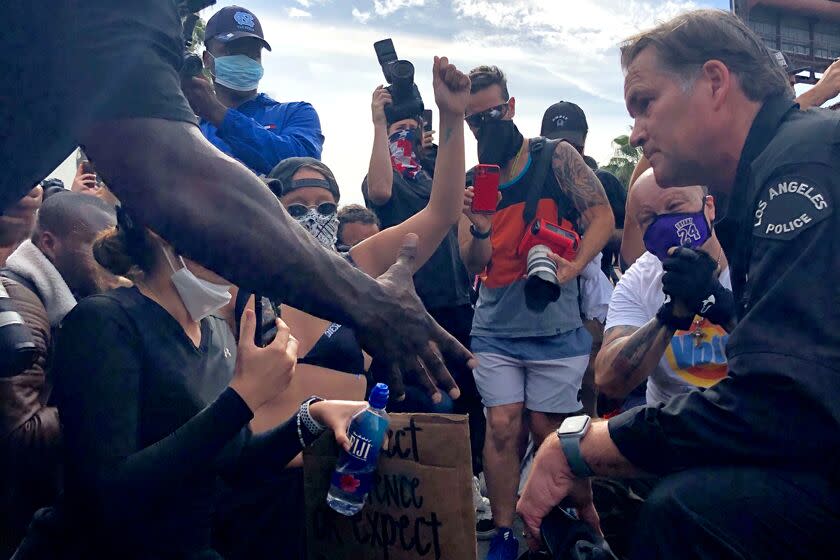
304,3
361,17
387,7
296,13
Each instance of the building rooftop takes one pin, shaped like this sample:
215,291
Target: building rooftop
806,31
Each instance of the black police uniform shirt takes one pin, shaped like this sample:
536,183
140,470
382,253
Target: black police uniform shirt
780,405
150,426
443,280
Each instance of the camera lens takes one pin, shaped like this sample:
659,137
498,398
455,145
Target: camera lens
402,72
542,286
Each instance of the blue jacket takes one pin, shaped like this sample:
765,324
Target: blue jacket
261,132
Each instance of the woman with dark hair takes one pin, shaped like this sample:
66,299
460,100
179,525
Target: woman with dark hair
155,398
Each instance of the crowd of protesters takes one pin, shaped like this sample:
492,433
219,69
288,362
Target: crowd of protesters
677,375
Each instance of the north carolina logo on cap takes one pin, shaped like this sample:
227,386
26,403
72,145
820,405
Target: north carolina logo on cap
560,121
244,18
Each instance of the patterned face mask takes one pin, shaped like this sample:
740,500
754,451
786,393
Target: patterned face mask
403,157
323,227
686,229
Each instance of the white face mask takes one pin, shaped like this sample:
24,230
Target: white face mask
200,297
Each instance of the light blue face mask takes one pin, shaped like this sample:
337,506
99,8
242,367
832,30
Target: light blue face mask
238,72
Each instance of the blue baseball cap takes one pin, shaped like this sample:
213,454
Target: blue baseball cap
232,23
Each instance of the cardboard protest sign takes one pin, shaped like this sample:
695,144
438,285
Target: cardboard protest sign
420,505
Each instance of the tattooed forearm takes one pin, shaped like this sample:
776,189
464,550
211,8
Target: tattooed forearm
447,134
576,179
629,355
650,339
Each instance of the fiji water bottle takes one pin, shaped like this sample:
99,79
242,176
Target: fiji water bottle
354,471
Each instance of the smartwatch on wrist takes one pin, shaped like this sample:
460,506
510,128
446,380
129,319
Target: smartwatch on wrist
570,432
477,234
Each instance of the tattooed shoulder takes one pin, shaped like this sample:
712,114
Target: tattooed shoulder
576,179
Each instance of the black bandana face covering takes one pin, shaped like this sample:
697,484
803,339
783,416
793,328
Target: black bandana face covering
498,142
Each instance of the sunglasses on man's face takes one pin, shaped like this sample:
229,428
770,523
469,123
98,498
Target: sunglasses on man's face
300,210
492,114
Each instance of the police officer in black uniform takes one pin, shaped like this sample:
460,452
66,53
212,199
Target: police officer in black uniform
751,466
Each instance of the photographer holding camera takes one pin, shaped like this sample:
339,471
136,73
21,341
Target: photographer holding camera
252,127
527,334
398,186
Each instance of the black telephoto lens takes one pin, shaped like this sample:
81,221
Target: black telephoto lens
402,73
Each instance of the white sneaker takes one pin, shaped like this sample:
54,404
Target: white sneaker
484,527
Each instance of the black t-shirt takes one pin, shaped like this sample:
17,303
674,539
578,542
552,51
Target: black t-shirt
780,405
149,424
443,280
95,60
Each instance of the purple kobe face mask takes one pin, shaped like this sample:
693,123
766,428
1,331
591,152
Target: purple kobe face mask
686,229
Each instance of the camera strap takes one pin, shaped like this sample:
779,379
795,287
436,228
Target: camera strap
541,149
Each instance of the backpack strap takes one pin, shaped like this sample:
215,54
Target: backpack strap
540,149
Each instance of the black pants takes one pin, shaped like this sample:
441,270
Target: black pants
457,321
264,520
726,513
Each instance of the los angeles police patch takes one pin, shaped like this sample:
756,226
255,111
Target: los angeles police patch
790,205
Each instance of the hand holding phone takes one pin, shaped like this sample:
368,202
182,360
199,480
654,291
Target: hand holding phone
427,120
267,316
485,189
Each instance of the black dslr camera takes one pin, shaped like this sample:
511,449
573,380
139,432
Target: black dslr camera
405,97
188,10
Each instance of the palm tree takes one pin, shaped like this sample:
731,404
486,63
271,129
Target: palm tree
624,160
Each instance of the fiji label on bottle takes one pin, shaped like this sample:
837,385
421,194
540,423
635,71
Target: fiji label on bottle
360,447
355,477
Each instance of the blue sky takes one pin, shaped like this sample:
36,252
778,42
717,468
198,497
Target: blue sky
551,50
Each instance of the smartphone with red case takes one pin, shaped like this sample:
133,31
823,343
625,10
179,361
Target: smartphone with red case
485,189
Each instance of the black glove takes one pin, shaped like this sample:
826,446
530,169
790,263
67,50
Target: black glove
719,307
690,279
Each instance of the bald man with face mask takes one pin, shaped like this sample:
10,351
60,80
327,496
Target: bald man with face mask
673,360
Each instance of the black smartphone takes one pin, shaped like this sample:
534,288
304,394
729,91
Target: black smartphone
266,314
427,120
